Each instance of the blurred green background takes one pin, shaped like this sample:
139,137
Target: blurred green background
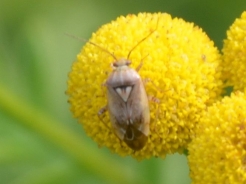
40,142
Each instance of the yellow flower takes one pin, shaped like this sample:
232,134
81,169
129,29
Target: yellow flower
218,153
182,68
234,54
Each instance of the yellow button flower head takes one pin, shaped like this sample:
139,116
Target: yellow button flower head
234,54
180,65
218,153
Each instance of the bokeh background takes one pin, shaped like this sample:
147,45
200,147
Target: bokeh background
40,141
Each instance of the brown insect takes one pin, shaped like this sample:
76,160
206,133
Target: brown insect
128,104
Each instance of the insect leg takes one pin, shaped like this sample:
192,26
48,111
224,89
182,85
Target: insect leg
154,99
141,63
100,114
157,101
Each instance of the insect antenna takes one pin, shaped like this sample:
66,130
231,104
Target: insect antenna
92,43
128,56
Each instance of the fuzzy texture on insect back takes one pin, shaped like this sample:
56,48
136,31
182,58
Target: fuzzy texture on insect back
234,54
218,153
180,64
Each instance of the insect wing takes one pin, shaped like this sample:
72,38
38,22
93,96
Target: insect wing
138,130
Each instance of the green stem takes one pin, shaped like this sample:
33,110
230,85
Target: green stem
68,140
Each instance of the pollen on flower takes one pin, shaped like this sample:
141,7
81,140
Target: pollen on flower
181,67
217,153
234,57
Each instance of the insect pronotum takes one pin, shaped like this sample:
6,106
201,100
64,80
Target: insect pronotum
127,101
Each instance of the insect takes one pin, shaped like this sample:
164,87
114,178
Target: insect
127,102
128,105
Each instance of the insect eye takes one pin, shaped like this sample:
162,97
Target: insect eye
128,63
115,64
